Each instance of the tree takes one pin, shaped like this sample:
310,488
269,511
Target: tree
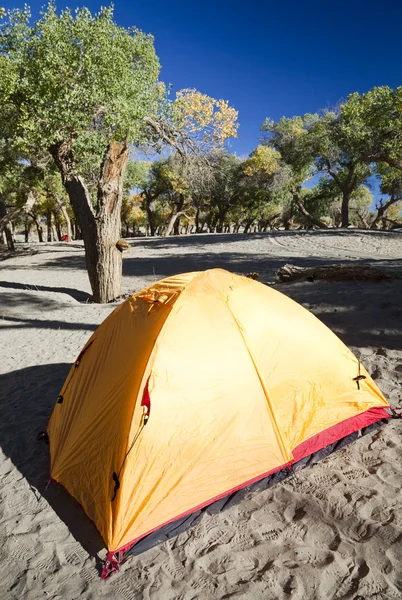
132,213
168,181
224,187
197,127
374,122
258,189
391,184
290,138
82,90
193,124
335,155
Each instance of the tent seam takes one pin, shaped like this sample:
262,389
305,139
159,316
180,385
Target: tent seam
280,435
147,375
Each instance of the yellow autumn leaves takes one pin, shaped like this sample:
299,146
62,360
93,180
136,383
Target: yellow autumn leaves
264,159
214,121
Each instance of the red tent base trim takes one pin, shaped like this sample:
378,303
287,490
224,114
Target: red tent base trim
311,451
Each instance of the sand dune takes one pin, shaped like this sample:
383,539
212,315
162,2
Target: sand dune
332,530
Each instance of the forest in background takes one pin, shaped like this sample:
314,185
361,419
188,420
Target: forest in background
78,93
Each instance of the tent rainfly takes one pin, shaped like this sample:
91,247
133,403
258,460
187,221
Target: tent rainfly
201,385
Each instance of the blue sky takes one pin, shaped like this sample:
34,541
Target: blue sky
268,58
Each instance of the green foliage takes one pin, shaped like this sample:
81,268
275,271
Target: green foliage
289,137
136,176
77,76
374,122
335,152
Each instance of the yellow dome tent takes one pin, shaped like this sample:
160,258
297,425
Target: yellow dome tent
193,388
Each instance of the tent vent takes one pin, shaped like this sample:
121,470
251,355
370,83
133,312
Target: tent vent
359,377
117,485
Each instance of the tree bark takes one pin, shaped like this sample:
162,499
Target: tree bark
345,208
305,212
9,237
6,216
77,233
58,235
363,220
248,226
381,210
176,226
5,225
101,229
361,272
49,225
27,228
172,221
67,219
149,204
39,227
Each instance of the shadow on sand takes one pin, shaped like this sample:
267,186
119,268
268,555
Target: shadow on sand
26,404
78,295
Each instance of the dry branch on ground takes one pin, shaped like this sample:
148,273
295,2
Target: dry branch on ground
356,272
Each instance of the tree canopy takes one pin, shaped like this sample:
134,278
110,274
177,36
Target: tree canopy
78,92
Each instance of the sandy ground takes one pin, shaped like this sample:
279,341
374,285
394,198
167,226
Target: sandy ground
333,530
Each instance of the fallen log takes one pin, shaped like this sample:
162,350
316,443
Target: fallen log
356,272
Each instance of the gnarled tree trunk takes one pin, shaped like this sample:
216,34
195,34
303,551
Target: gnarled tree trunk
305,212
27,229
6,227
149,206
172,222
38,224
345,208
7,216
58,231
49,225
66,217
382,209
100,227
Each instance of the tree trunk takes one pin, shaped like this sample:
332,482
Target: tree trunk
6,216
197,220
248,226
58,235
149,205
345,209
101,230
27,229
172,221
176,226
77,230
39,227
221,220
3,240
305,213
49,225
363,220
9,237
381,210
6,227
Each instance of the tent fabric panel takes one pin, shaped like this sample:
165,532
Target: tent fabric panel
307,369
88,431
211,427
373,419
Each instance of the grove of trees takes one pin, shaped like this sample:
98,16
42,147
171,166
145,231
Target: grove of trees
78,93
